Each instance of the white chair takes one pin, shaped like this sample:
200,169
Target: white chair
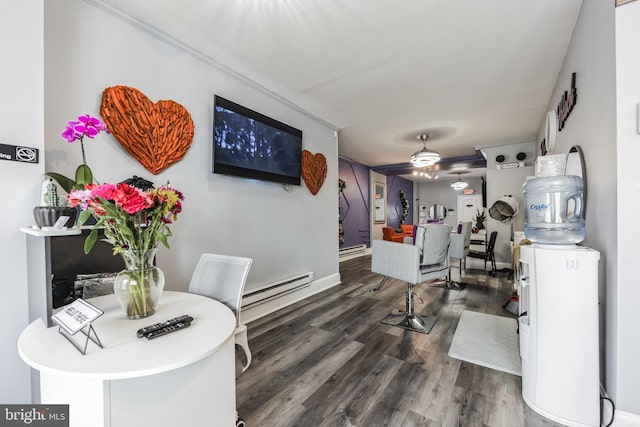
222,278
460,243
427,259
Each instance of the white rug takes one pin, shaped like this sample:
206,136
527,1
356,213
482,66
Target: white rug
487,340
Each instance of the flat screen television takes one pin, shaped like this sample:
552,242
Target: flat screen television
251,145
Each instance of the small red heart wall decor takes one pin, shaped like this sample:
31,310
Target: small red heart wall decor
314,170
156,134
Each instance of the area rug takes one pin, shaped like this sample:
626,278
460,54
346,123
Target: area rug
487,340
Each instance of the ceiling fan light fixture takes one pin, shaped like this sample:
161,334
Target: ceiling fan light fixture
459,184
424,157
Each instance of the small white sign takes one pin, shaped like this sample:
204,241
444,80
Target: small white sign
76,316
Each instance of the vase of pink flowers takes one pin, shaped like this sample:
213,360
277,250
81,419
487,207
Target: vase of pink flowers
135,222
138,287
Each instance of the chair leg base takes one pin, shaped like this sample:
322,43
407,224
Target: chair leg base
379,285
413,322
450,284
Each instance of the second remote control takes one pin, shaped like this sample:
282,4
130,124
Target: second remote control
151,328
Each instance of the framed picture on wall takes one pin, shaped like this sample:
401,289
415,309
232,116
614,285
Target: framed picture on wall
380,205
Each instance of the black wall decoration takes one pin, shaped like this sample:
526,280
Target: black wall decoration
567,102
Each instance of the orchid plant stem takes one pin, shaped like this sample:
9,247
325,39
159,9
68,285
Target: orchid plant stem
84,159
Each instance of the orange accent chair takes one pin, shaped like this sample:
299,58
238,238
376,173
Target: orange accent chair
391,236
407,230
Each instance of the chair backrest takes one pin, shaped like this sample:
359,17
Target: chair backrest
465,230
492,242
434,243
407,229
221,277
387,233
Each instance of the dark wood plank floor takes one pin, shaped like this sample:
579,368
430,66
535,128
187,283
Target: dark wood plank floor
328,361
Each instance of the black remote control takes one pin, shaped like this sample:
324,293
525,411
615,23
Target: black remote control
167,330
151,328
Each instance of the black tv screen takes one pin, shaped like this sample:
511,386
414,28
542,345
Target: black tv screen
251,145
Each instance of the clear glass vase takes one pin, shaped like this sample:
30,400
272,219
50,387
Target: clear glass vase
138,287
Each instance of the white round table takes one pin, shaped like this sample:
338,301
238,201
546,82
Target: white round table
182,378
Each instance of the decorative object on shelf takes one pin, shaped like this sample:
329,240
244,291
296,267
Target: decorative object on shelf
54,207
479,220
424,157
139,182
77,130
47,216
134,221
314,170
155,134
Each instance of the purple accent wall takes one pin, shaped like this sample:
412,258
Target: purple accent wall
353,203
394,204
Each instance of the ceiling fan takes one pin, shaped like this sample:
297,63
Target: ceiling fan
424,157
459,184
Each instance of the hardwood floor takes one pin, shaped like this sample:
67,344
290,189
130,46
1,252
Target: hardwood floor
328,361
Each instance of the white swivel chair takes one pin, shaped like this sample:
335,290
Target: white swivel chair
427,259
459,249
222,278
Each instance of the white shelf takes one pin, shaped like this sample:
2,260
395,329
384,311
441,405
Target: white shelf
38,232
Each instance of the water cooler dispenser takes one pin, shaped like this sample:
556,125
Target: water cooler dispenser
558,328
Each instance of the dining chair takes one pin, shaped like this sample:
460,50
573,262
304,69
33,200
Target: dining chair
222,277
487,254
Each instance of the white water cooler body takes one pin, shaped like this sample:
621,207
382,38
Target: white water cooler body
559,332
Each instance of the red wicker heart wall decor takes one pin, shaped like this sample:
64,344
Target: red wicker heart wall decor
156,134
314,170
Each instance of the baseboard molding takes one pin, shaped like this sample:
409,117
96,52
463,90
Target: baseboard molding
478,264
367,251
624,419
318,285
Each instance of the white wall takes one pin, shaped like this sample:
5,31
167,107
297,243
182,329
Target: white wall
592,125
21,123
439,192
87,50
501,182
286,233
627,292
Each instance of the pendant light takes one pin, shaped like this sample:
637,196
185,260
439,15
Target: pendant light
424,157
459,184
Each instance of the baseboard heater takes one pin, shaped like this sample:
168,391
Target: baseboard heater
276,290
352,250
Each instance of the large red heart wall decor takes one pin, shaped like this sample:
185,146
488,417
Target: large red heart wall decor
314,170
156,134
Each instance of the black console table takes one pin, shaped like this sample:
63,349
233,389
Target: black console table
57,257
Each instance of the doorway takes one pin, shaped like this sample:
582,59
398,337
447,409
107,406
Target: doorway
468,207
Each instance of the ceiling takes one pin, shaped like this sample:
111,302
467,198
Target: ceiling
469,73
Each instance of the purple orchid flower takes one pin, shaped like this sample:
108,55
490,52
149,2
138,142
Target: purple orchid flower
86,125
